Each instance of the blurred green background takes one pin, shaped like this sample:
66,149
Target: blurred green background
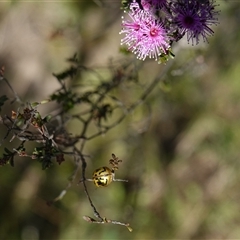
180,149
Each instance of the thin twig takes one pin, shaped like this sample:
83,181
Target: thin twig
11,88
129,110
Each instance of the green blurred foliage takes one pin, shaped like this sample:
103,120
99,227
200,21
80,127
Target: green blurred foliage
180,149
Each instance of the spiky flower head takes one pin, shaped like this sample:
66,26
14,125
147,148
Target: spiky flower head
194,18
144,33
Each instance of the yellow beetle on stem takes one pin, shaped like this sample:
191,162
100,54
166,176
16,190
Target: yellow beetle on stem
103,176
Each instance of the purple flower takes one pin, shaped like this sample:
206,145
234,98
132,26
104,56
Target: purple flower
194,18
144,33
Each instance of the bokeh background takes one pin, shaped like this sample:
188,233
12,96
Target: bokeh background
180,149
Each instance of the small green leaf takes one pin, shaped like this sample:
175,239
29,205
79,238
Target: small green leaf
47,118
35,104
45,101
